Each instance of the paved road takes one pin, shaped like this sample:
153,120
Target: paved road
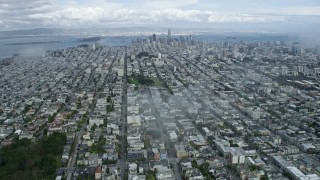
72,161
123,160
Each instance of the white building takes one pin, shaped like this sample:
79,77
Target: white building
236,156
173,136
134,120
255,114
120,72
88,70
207,132
97,121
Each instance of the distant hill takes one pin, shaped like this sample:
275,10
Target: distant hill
91,39
36,31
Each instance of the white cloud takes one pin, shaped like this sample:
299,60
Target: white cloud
245,18
166,4
292,11
2,23
22,5
96,15
39,13
302,10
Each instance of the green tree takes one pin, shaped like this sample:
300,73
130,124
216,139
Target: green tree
93,128
108,99
67,99
98,147
26,109
253,168
194,164
24,159
79,103
264,177
151,175
204,169
27,119
45,131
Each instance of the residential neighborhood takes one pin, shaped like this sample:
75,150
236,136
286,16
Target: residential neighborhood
170,108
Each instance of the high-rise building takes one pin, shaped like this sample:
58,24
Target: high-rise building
295,50
93,47
154,37
169,34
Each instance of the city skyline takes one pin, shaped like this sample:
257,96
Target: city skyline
160,90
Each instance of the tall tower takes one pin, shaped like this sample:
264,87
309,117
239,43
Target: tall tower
169,34
154,37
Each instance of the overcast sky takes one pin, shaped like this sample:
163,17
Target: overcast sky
15,14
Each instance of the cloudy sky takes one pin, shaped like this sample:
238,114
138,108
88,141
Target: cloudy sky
15,14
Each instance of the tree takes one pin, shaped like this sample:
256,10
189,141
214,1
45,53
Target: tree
264,177
109,161
288,175
27,119
51,118
105,122
253,168
93,128
45,131
24,159
108,99
256,134
194,164
154,134
79,103
26,109
110,107
67,99
98,147
151,175
204,169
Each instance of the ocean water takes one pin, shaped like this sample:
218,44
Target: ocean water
247,38
37,45
31,45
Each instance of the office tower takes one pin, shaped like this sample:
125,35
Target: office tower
294,51
154,37
224,53
169,34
